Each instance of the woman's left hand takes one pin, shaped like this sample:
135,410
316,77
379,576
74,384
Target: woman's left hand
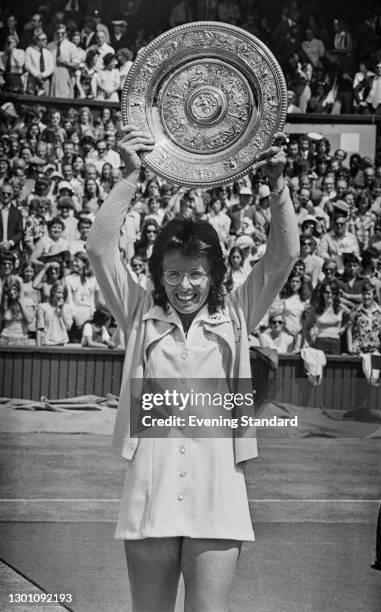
272,161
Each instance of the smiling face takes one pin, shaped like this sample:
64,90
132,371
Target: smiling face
186,298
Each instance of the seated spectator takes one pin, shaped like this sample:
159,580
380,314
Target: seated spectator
275,337
363,221
364,330
65,207
351,283
295,297
313,263
150,230
52,271
54,318
15,315
11,223
79,245
313,48
326,319
237,273
52,244
95,333
82,296
138,271
337,242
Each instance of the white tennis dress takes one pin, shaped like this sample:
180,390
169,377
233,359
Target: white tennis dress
185,486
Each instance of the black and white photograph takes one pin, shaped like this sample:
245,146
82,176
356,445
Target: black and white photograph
190,306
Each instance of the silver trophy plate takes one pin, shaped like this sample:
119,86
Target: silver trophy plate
212,95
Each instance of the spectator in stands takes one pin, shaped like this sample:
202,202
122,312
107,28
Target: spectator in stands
101,48
124,57
295,297
12,62
106,82
237,273
39,65
9,29
53,243
326,320
15,316
51,272
11,223
364,329
82,296
66,59
313,263
150,230
220,220
351,283
338,242
95,333
313,48
275,337
91,198
368,92
54,317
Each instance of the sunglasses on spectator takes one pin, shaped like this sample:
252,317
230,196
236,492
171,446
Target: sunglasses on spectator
276,322
151,231
7,193
307,243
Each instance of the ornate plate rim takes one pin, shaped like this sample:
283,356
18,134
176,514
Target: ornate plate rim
196,25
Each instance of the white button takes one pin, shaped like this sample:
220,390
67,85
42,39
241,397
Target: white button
182,474
180,497
182,449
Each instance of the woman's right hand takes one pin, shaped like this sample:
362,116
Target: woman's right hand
133,142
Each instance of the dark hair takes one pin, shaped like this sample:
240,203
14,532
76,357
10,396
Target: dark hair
56,221
236,250
303,291
318,297
191,239
107,59
349,258
367,286
367,256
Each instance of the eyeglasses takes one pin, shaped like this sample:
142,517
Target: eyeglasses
151,231
6,193
306,243
276,322
195,277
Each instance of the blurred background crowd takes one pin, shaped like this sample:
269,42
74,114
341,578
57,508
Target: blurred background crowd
57,167
330,52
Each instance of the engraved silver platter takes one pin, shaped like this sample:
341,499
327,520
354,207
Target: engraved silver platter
212,95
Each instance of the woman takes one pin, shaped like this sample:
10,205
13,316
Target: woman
15,314
275,337
237,273
83,294
144,247
107,81
51,272
105,180
295,299
218,218
326,320
181,327
364,330
91,198
54,317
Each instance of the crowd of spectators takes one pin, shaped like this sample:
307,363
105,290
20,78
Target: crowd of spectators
56,170
332,64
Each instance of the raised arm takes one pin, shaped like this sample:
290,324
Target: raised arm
121,293
269,275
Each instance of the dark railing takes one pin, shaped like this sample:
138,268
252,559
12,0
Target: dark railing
61,372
